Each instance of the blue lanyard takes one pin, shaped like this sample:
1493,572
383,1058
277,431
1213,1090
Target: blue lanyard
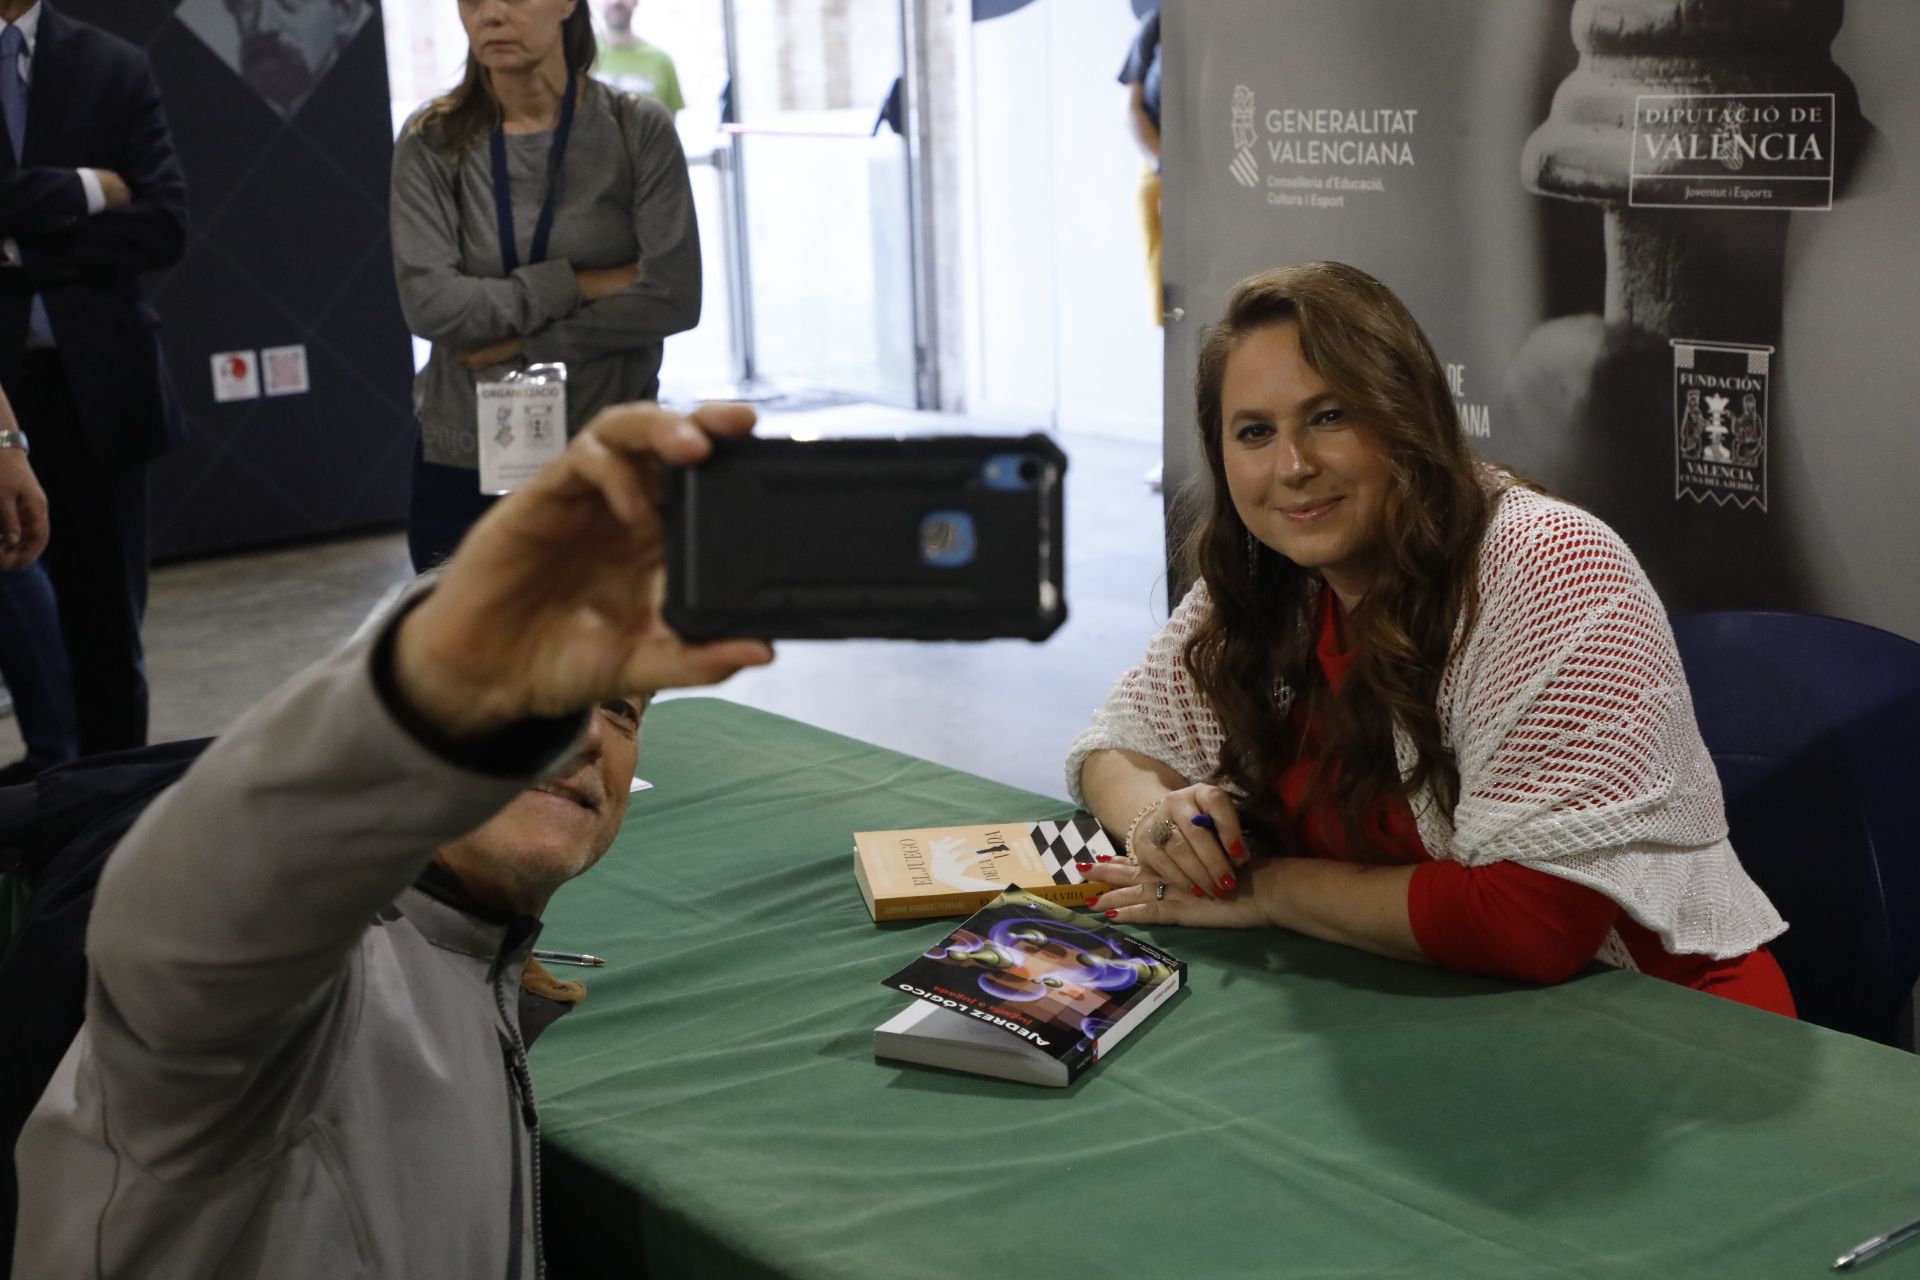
503,198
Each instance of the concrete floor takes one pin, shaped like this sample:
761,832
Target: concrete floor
221,633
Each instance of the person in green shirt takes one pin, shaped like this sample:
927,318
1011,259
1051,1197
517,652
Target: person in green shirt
631,63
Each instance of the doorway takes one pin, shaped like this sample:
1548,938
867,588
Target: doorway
822,237
800,186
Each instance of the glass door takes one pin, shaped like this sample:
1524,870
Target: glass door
819,211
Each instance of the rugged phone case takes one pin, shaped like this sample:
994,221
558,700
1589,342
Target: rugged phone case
937,538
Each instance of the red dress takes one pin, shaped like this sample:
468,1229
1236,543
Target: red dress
1505,918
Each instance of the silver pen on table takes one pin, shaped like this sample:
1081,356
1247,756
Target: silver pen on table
569,957
1878,1245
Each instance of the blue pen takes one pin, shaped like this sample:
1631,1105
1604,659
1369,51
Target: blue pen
1205,823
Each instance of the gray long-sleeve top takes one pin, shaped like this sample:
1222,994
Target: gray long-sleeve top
622,197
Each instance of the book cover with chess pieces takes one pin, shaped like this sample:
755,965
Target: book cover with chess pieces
954,871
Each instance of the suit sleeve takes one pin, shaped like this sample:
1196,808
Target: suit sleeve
442,303
41,199
665,299
147,234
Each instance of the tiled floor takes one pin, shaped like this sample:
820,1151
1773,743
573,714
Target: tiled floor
221,633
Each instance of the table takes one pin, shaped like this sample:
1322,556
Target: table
714,1109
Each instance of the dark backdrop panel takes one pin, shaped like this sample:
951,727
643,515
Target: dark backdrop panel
288,244
1476,155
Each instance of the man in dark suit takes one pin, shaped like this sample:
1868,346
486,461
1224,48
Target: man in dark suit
91,195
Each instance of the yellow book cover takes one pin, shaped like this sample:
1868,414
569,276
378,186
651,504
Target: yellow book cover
954,871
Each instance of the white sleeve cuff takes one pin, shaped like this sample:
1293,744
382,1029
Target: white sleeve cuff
96,194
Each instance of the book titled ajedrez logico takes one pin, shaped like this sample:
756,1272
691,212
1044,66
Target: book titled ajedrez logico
1027,990
950,871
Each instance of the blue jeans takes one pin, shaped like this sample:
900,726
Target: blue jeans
33,660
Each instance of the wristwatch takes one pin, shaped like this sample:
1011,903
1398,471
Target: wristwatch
14,438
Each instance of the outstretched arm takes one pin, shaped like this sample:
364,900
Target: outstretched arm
227,916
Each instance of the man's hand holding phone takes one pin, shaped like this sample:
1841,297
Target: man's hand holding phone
552,603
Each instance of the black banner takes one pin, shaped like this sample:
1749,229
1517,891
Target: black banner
280,325
1664,248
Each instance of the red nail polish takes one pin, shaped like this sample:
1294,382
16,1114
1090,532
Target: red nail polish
1227,884
1083,867
1197,892
1093,902
1113,915
1237,849
1103,857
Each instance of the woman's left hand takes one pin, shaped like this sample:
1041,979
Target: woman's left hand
492,354
1143,898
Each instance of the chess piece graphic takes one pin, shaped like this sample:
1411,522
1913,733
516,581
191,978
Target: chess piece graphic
1666,89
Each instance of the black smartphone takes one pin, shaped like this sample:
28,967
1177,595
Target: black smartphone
934,538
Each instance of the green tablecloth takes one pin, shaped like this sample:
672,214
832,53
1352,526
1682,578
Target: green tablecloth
714,1109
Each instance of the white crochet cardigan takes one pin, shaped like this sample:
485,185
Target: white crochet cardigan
1568,714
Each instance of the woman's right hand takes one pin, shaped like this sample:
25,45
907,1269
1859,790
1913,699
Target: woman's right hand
601,282
1191,839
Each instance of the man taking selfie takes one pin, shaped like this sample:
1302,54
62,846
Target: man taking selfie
305,1045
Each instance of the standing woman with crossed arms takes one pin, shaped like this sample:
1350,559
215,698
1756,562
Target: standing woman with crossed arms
539,216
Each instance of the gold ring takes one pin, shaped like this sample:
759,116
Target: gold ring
1159,831
1159,890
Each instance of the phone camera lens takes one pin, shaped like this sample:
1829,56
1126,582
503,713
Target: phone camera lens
1029,470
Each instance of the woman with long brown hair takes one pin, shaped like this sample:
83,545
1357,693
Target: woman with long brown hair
539,216
1411,704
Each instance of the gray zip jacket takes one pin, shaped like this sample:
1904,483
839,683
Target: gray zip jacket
295,1061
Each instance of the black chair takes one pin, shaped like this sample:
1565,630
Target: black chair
56,833
1814,727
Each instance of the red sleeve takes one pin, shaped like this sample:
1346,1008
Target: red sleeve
1507,920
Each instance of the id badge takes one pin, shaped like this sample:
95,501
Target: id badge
522,425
